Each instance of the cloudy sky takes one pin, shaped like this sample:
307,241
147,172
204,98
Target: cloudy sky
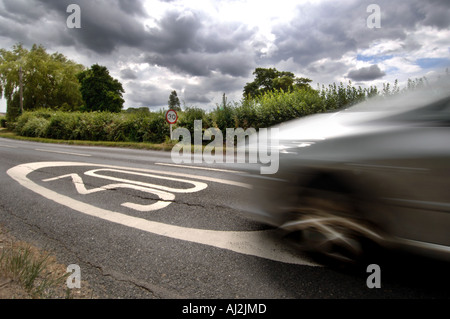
204,48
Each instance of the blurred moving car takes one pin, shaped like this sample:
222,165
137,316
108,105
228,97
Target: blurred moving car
375,173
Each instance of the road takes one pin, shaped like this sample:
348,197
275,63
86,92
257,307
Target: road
140,226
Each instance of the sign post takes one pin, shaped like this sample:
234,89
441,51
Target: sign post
171,118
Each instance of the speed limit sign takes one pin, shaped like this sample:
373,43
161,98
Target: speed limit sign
171,116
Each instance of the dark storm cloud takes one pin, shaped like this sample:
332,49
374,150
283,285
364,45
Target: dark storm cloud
128,74
182,40
331,29
317,31
187,42
202,64
331,67
436,13
132,7
220,54
105,24
21,21
21,11
196,97
176,32
370,73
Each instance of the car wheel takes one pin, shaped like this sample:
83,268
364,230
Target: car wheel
326,225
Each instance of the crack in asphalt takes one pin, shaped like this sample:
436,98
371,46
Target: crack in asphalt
155,291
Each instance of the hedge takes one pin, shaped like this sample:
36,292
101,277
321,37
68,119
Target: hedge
94,126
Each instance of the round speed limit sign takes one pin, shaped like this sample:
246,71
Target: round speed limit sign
171,116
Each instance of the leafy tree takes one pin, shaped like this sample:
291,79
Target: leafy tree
49,80
270,79
174,101
100,91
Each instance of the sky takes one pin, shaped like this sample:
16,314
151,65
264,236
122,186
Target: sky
205,48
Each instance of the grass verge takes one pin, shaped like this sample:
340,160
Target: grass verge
166,146
142,145
27,272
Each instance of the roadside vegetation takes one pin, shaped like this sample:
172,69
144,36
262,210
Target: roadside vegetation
92,126
27,272
144,126
65,101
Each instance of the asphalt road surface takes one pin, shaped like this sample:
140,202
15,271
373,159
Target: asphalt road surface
140,226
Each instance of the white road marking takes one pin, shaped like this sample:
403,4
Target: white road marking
2,145
165,197
198,167
255,243
198,186
60,152
203,178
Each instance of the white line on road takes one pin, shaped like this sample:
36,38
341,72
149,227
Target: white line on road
198,186
60,152
198,167
255,243
8,146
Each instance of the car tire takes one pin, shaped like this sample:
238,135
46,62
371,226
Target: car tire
328,227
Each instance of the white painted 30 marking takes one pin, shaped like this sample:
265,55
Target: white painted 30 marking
81,188
256,243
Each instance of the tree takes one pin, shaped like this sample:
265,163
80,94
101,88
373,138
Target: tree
49,80
100,91
270,79
174,101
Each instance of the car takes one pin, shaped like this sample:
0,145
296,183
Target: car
376,174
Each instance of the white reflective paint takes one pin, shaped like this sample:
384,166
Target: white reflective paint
201,168
61,152
198,186
262,244
165,197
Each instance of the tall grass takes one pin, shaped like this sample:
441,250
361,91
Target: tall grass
21,263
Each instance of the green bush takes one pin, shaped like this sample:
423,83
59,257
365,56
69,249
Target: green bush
224,117
21,121
189,115
62,126
276,107
35,127
94,126
156,128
